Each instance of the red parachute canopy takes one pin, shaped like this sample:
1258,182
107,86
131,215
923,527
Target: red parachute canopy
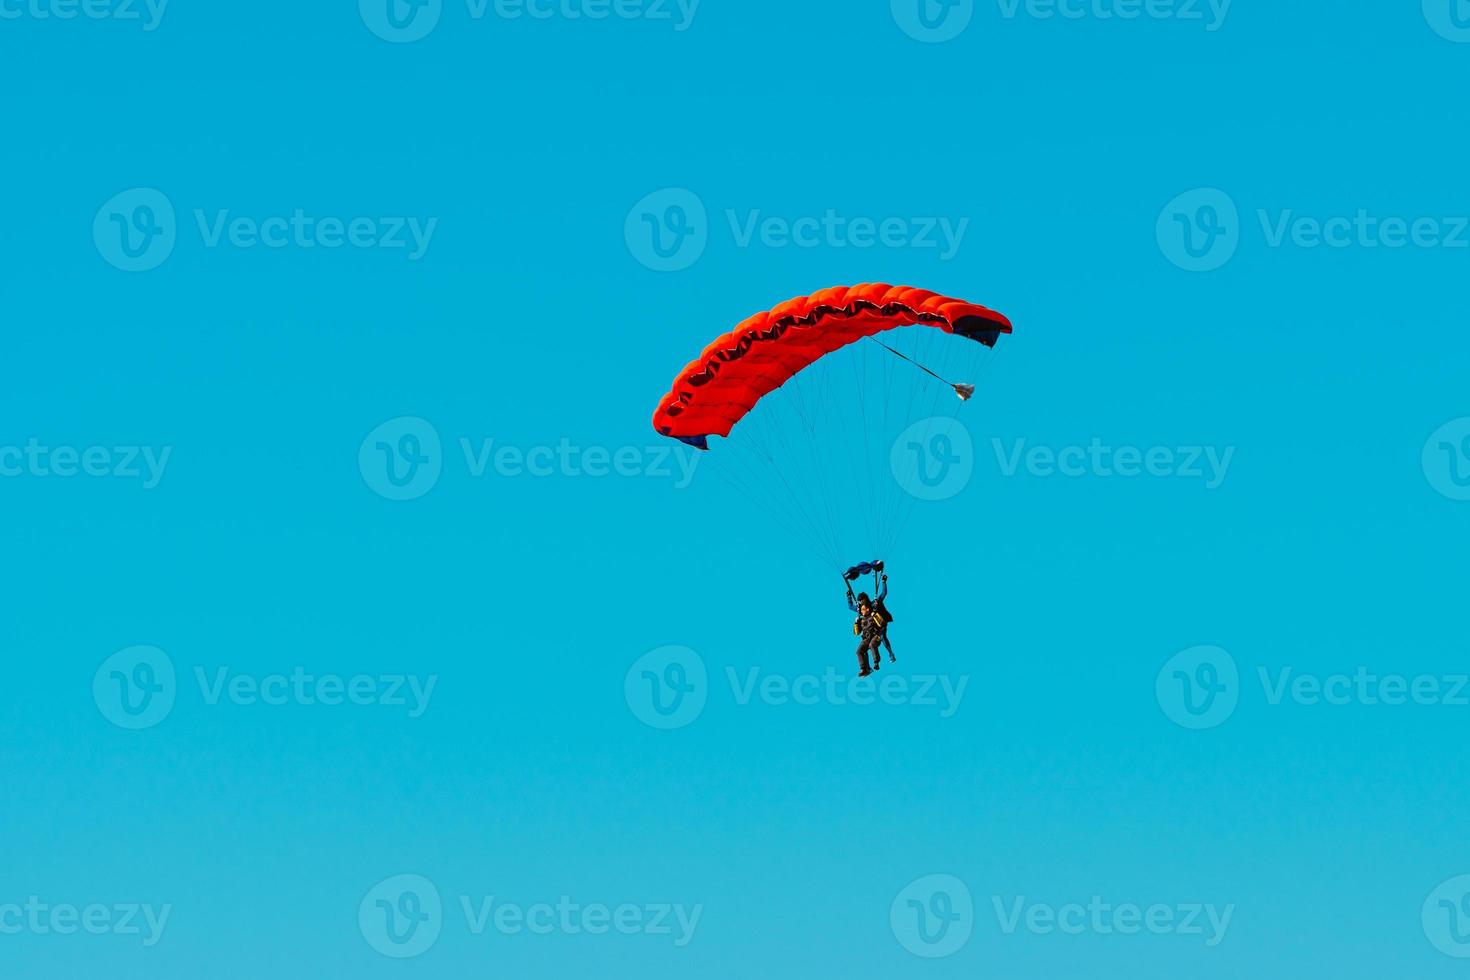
718,389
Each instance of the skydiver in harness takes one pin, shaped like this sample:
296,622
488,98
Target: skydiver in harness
871,625
869,629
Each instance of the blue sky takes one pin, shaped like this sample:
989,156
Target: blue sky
598,710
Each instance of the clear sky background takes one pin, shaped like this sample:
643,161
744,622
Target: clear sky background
1138,196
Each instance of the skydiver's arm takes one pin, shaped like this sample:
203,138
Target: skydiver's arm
882,589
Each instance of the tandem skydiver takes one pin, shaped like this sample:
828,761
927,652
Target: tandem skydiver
871,627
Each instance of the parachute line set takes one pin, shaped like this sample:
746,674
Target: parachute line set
829,459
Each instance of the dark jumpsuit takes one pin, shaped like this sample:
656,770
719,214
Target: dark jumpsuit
870,630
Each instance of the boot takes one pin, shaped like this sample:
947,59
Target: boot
863,670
